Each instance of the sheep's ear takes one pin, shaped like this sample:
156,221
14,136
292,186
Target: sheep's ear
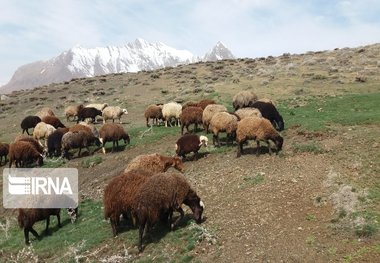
202,204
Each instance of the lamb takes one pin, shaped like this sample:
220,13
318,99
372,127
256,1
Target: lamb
155,163
119,195
171,110
29,122
248,112
53,121
46,111
208,112
88,113
113,113
72,111
23,153
161,195
223,122
191,115
81,139
269,111
54,142
190,143
112,132
42,131
97,106
4,150
244,99
258,129
153,112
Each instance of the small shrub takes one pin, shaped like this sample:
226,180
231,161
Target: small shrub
365,230
91,161
307,147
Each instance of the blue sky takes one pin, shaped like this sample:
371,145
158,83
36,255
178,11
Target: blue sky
39,30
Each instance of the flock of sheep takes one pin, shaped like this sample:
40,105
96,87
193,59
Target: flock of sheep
144,192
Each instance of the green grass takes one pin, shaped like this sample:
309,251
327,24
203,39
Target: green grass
91,161
142,135
253,180
311,147
319,113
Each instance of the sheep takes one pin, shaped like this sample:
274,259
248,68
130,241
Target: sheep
97,106
83,126
71,140
112,132
248,112
202,104
72,111
243,99
89,112
191,115
32,141
161,195
29,122
54,142
269,111
46,111
190,143
266,100
113,113
208,112
42,131
223,122
153,112
171,110
4,150
258,129
53,121
119,194
23,153
155,163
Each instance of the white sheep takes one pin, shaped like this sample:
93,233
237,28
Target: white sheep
97,106
113,112
171,110
42,131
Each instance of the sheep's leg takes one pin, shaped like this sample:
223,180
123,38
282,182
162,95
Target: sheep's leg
80,149
141,233
182,127
34,232
114,226
47,225
213,139
147,122
113,146
240,149
269,149
59,220
26,236
195,127
258,148
179,209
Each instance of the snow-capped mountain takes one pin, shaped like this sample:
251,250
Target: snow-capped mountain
88,62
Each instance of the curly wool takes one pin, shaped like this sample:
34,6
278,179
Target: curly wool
244,99
155,163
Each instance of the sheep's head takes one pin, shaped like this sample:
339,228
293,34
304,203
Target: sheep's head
193,201
203,140
126,139
125,111
73,213
279,141
40,160
178,164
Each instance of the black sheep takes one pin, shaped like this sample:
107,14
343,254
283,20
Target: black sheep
269,112
88,113
29,122
190,143
54,142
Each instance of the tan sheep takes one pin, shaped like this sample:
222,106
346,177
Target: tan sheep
223,122
42,131
113,113
266,100
208,112
243,99
46,111
248,112
155,163
98,106
72,111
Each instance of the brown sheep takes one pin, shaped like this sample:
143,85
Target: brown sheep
190,143
244,99
191,115
32,141
204,103
160,196
119,195
208,112
53,121
258,129
112,132
46,111
155,163
4,150
223,122
81,139
153,112
81,127
72,111
248,112
22,153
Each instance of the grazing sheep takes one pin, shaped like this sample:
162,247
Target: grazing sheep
29,122
171,110
223,122
88,113
42,131
120,193
153,112
46,111
202,104
72,111
243,99
208,112
32,141
266,100
112,132
81,139
190,143
248,112
161,195
155,163
269,111
97,106
54,142
83,126
4,150
191,115
53,121
258,129
113,113
22,153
